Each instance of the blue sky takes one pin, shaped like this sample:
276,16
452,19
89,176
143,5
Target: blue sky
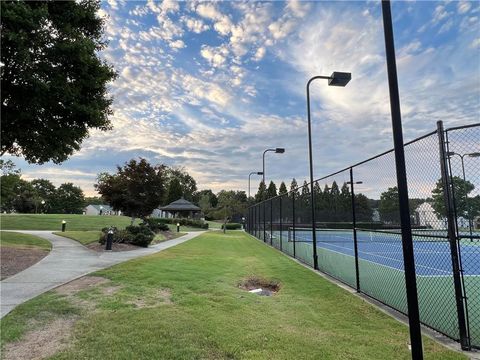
210,85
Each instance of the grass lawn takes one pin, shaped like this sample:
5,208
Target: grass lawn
184,303
24,241
54,222
215,225
83,237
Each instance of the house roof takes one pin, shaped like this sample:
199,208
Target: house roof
180,205
104,207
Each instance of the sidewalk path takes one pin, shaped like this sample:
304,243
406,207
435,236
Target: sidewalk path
67,261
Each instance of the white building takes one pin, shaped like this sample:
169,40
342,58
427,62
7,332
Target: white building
425,216
99,210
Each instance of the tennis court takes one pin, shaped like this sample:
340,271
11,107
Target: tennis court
381,271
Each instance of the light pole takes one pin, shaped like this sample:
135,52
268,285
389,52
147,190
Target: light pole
277,151
249,175
473,155
336,79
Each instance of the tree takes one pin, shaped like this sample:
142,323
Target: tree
388,207
271,190
136,189
187,184
9,187
94,200
232,203
69,199
363,210
466,207
46,192
175,191
282,190
261,193
212,198
54,84
8,167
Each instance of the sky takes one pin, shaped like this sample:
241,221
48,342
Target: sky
210,85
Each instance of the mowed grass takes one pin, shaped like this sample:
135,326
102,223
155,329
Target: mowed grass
208,317
23,241
54,222
83,237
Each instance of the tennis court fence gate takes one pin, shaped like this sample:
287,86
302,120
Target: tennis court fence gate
357,226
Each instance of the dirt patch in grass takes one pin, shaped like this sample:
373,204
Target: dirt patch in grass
269,286
83,283
41,343
160,297
115,247
14,260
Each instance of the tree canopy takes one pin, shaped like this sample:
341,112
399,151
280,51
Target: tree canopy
54,84
136,189
466,206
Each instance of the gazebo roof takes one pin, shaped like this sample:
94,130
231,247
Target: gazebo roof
180,205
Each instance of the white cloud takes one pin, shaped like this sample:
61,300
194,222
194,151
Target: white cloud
215,56
475,43
177,44
195,25
463,7
259,54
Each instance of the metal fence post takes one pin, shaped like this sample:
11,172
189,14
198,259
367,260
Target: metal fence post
354,224
271,221
456,268
264,222
293,222
407,240
280,221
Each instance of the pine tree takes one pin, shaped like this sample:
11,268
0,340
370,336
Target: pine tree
272,190
282,189
260,196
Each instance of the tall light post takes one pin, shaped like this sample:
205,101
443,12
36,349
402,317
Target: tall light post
336,79
473,155
277,151
249,175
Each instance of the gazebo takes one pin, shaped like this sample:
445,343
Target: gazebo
181,208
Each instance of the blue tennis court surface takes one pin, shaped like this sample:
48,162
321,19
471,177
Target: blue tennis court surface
432,256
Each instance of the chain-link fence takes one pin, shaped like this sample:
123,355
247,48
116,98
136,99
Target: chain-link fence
358,234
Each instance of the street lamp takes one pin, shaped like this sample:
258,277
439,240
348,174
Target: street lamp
277,151
249,175
473,155
336,79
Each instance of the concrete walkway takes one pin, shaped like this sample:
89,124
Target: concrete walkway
67,261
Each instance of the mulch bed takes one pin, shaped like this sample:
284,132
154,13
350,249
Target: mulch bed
15,260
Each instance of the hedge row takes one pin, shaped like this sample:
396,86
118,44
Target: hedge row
232,226
152,222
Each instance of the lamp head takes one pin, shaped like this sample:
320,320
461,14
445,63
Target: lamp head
279,151
474,154
260,173
339,78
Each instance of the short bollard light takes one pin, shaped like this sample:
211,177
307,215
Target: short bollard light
178,227
109,240
64,225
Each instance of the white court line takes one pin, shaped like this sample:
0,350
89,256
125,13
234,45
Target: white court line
400,261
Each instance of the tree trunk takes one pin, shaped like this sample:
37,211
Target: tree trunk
133,220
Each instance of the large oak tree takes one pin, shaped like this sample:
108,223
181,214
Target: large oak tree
54,84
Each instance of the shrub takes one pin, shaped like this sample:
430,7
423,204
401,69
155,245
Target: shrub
232,226
156,225
135,235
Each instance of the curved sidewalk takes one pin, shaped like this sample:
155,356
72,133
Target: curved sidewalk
67,261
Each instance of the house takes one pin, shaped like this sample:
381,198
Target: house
179,208
426,216
101,209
